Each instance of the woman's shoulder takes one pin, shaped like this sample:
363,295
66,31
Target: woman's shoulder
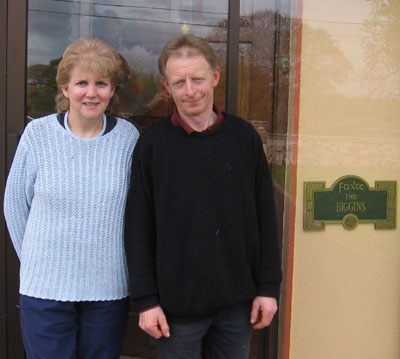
126,127
40,124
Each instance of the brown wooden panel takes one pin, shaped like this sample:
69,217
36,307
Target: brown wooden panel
3,287
232,58
15,120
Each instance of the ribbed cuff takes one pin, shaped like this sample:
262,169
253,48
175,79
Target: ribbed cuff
269,290
146,302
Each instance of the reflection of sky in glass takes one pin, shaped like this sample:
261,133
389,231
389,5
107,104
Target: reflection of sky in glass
137,29
248,7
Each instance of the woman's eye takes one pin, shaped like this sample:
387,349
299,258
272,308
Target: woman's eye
101,84
82,83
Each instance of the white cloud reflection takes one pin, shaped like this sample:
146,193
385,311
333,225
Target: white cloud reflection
140,58
137,29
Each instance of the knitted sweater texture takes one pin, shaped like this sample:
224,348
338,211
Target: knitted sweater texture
64,207
201,231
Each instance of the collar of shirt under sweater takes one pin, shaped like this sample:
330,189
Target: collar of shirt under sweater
177,120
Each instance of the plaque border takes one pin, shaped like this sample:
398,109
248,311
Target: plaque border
349,221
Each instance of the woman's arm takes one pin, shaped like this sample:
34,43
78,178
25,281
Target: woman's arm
19,194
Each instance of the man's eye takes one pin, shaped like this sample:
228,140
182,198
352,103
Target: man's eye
178,83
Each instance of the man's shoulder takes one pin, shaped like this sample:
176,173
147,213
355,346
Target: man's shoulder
157,128
239,123
158,125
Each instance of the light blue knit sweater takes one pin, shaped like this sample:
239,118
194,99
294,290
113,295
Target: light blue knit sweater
64,207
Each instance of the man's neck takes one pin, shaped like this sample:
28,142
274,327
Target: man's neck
200,123
216,120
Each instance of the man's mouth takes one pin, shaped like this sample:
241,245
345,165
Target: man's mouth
193,102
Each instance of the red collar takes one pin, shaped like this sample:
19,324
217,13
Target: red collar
179,122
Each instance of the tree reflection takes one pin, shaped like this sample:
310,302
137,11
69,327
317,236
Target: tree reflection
382,73
324,65
42,88
259,72
137,90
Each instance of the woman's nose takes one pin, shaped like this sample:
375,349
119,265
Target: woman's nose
91,90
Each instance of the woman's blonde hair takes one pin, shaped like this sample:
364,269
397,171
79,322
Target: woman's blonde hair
90,55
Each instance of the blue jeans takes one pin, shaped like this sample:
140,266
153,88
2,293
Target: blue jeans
69,330
224,335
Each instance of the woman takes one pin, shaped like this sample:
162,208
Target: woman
64,206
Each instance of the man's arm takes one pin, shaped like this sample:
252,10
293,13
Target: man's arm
269,273
140,250
140,233
263,311
154,322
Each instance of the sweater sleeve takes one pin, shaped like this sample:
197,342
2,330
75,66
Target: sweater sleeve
140,233
269,275
19,193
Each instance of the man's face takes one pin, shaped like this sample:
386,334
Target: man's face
191,83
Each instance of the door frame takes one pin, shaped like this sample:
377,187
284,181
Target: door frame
13,38
13,50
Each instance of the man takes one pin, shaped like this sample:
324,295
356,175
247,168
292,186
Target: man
201,236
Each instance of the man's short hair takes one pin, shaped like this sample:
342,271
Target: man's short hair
196,45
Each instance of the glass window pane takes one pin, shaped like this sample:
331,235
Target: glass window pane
136,29
263,76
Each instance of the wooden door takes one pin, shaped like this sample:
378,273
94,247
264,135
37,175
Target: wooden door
251,39
12,120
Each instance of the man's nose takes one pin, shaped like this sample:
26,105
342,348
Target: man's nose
189,90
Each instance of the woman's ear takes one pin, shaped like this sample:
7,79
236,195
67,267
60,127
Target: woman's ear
65,91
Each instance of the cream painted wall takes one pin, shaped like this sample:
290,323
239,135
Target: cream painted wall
346,284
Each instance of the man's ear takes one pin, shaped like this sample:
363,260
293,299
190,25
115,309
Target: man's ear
166,84
216,76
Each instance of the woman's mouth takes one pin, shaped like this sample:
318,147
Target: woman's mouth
91,104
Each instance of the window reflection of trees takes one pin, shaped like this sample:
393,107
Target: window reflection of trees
141,93
42,88
137,29
324,63
382,49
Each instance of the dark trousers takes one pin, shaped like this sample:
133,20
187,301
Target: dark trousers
225,335
69,330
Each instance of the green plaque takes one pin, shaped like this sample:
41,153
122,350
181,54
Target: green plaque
349,201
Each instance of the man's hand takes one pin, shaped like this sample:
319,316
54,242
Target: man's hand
154,322
262,312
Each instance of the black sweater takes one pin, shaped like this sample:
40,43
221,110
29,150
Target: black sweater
200,231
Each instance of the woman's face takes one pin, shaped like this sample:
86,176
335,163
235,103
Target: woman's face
88,94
